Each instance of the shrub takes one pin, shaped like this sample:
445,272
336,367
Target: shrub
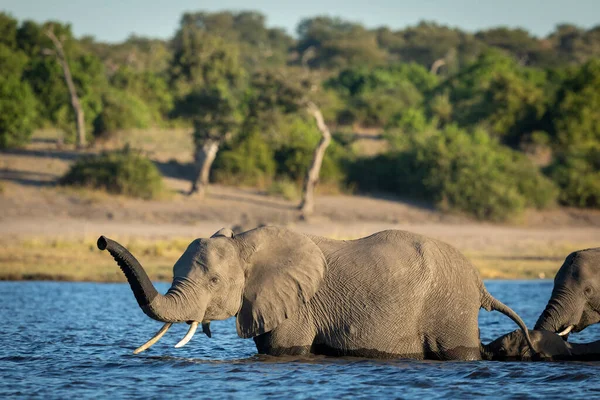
248,160
577,173
285,188
460,171
394,172
121,110
124,172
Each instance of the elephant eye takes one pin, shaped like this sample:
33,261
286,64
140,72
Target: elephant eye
588,291
214,280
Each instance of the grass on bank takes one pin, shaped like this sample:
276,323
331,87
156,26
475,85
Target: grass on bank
80,259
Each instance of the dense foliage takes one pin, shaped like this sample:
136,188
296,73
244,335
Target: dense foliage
456,170
466,116
124,172
18,106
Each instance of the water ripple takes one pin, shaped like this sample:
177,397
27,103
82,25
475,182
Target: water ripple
82,341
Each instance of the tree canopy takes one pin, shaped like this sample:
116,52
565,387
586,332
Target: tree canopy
465,116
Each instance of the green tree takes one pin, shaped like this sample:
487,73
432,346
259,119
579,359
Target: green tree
63,61
575,135
147,85
496,94
137,53
121,110
376,95
575,45
428,42
210,82
326,42
18,106
575,113
577,173
258,45
47,79
517,42
8,31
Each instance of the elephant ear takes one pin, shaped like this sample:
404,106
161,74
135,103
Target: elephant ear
284,271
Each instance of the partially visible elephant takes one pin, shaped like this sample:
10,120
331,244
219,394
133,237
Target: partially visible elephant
392,294
575,300
549,346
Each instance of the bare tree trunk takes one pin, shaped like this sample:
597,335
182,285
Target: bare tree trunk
437,65
307,205
75,103
204,158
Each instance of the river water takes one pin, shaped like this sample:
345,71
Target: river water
74,340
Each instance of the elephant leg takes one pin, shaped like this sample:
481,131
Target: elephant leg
293,337
462,353
443,350
454,339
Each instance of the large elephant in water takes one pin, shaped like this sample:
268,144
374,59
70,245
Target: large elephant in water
392,294
575,300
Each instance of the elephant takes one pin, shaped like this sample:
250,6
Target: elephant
549,345
575,300
393,294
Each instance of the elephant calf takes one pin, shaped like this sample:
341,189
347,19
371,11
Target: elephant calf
549,345
392,294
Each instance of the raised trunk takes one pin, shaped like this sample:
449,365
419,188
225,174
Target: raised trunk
75,103
307,205
204,158
167,308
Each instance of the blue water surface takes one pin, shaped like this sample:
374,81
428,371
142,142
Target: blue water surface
75,340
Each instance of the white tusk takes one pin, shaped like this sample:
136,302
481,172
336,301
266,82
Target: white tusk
154,339
566,331
188,335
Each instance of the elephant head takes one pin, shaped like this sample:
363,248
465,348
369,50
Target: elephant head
262,276
513,346
575,300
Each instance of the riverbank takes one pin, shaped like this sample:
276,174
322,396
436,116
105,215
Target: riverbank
65,249
49,232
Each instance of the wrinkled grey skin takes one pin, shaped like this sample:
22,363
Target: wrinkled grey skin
575,298
392,294
550,346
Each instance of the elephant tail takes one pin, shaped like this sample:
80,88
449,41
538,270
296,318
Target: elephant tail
490,303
